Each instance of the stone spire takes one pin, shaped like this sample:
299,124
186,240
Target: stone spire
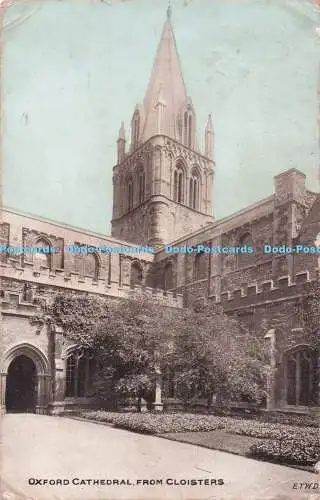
166,79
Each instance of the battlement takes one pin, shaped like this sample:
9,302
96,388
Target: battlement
266,291
73,281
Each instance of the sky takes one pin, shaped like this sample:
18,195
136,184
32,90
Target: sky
72,71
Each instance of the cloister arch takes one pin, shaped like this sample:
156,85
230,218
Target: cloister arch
25,369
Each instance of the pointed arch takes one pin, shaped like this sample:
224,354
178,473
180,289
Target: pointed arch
179,181
141,184
168,276
129,193
136,273
194,189
188,125
43,257
26,349
78,366
245,259
91,265
301,375
201,265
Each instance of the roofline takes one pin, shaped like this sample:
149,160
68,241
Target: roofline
67,226
219,222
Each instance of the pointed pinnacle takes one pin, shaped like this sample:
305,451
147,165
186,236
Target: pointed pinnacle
122,132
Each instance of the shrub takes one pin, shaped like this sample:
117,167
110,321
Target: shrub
303,449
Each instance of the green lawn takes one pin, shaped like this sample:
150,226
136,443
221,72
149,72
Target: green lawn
215,440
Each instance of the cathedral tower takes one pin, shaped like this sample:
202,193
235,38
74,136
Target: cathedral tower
162,185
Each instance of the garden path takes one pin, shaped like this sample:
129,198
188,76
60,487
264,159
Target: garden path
43,447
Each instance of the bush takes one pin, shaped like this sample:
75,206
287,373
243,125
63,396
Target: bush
303,449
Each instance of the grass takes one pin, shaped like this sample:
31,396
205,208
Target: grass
215,440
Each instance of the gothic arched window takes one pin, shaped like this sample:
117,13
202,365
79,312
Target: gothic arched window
244,257
168,278
178,183
136,274
301,376
141,185
78,368
201,266
71,375
194,188
91,266
188,127
43,257
130,194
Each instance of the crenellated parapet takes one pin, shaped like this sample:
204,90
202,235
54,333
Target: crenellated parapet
267,291
59,280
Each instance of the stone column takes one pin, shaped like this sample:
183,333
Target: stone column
3,380
158,405
271,382
56,406
42,399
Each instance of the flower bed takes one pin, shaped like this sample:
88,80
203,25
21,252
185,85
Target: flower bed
272,417
99,415
300,450
290,419
164,423
153,423
284,443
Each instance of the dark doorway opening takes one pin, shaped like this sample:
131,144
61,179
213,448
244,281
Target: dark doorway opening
21,387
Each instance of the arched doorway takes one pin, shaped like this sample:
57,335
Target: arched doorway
25,380
21,388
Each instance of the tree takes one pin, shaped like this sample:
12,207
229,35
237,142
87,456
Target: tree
131,338
80,316
127,338
213,355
